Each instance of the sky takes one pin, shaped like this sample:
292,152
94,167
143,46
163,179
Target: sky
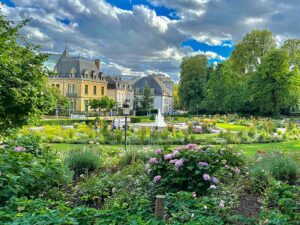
140,37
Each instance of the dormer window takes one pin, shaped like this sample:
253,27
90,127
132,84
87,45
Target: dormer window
72,73
93,76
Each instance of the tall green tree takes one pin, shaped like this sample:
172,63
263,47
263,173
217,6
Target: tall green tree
102,104
24,93
275,88
176,99
292,46
193,78
147,99
248,54
62,102
224,92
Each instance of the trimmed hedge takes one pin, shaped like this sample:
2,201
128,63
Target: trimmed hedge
66,122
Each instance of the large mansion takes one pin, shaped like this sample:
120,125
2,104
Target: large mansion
79,79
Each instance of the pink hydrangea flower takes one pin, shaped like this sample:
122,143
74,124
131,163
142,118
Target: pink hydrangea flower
203,164
179,163
156,179
206,177
158,151
176,152
237,170
153,161
222,204
215,180
191,146
169,156
19,149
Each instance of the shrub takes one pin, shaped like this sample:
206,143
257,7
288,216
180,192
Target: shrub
274,164
133,155
135,119
191,168
83,161
28,171
281,203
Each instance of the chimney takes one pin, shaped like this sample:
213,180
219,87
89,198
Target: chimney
97,63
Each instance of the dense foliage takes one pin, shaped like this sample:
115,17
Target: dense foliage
24,94
192,168
258,78
29,169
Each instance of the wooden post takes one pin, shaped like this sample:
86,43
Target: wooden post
159,206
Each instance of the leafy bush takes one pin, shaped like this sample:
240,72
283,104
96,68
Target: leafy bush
135,119
274,164
191,168
83,161
281,204
26,173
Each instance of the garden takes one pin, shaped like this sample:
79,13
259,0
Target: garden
79,175
207,169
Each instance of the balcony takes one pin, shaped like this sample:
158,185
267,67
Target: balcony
72,95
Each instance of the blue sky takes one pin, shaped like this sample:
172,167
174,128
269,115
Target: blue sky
140,37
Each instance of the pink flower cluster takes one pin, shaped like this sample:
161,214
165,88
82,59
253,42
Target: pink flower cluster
206,177
203,164
156,179
20,149
153,161
169,156
158,151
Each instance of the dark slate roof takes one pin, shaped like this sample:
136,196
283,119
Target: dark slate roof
66,64
153,83
113,81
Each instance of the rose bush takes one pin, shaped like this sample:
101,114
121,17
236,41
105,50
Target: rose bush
192,168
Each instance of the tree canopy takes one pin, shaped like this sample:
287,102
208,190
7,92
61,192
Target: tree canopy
147,99
193,77
258,78
24,93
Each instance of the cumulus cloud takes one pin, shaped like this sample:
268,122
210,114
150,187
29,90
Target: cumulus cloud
137,41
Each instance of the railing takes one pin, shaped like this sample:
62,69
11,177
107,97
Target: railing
72,95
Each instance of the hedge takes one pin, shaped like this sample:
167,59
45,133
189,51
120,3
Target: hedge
66,122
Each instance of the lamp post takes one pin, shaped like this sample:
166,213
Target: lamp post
126,110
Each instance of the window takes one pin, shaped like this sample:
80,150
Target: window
57,85
95,90
86,105
86,89
53,85
102,90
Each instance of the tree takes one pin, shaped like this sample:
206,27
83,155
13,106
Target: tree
147,99
248,54
136,102
274,87
62,102
103,104
24,93
292,46
193,78
224,92
177,102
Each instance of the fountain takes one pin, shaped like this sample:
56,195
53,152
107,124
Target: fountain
159,120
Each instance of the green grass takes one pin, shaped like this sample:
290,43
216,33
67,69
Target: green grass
232,127
251,149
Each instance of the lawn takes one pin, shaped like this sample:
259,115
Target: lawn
249,149
232,127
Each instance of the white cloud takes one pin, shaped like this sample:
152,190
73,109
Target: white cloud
138,40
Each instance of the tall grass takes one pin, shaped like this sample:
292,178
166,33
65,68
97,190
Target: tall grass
83,161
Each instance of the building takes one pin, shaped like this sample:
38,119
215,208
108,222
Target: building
162,89
119,89
79,79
